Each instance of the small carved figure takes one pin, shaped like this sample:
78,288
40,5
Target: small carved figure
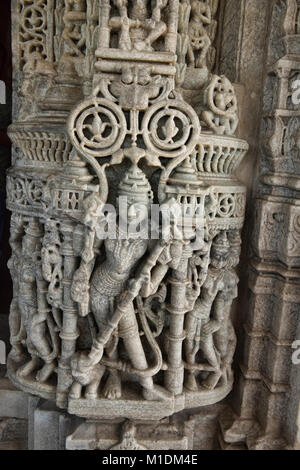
225,337
138,31
39,75
44,332
17,331
128,438
52,263
200,42
85,376
201,323
27,298
218,106
196,34
35,309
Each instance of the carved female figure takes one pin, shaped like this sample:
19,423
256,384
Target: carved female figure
201,323
111,279
27,298
218,106
225,337
34,307
199,38
17,332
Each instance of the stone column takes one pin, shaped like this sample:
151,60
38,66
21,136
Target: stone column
98,116
268,384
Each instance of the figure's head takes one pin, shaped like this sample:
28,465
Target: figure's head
220,251
197,5
128,429
224,95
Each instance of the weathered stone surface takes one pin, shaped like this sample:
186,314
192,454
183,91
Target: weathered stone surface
51,427
13,402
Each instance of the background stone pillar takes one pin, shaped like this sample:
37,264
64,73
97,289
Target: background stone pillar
269,382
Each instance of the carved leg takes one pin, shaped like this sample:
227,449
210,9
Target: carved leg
29,367
190,352
212,381
156,32
129,331
113,389
75,391
101,308
208,118
47,370
17,332
191,56
39,340
232,125
92,388
213,358
191,346
17,352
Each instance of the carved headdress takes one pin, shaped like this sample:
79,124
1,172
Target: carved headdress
136,187
221,243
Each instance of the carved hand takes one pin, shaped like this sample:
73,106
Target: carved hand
94,356
210,328
134,287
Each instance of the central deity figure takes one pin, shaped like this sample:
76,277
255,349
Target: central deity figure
112,279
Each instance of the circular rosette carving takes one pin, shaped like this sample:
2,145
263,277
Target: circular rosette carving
97,128
226,205
170,128
35,191
34,19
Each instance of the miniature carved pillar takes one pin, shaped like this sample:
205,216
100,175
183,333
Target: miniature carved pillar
69,332
175,335
104,30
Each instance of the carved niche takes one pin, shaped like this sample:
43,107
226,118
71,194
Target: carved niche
136,325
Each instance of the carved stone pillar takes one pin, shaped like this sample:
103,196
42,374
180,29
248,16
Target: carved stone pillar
267,400
107,321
